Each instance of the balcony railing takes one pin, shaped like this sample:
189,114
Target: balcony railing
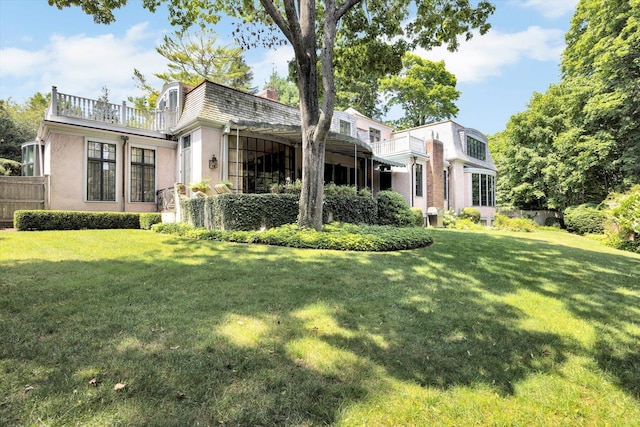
113,114
401,144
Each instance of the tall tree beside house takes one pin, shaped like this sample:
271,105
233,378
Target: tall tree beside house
194,57
310,27
424,89
580,140
19,123
287,90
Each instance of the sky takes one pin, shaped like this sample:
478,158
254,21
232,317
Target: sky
42,46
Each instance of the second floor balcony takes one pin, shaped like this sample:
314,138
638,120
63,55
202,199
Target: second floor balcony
108,115
400,145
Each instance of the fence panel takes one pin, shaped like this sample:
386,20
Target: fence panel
18,193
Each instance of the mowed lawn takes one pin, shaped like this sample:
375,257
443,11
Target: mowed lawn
481,328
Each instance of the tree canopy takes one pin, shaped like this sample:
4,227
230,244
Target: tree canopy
19,123
425,90
580,140
311,28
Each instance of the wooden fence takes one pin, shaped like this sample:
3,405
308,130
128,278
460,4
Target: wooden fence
20,192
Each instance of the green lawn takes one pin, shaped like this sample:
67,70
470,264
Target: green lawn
481,328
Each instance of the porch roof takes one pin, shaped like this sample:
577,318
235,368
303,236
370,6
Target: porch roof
336,142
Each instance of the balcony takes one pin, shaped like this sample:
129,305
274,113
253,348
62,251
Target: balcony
109,115
405,144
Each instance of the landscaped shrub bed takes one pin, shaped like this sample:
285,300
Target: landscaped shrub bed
503,222
73,220
337,236
352,209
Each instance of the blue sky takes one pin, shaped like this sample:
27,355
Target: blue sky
41,46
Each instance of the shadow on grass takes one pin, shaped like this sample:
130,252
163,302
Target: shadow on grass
255,335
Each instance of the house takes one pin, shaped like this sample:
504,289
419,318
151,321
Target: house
99,156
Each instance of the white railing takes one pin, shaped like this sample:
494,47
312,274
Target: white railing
113,114
401,144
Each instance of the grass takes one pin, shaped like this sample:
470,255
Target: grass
482,328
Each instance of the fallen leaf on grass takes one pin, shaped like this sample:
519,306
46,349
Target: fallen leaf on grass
93,382
180,395
119,386
27,388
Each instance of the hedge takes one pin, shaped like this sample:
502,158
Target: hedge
73,220
394,210
585,219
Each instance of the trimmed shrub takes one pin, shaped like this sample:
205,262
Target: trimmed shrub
585,219
74,220
350,209
466,224
337,236
503,222
251,211
148,219
470,213
393,210
417,216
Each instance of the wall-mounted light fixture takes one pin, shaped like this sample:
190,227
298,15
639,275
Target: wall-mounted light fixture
213,162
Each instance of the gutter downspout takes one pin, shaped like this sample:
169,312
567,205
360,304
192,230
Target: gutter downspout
125,139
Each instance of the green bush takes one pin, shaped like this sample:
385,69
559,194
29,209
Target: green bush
554,222
337,236
503,222
331,190
585,219
251,211
393,210
466,224
350,209
623,225
10,167
74,220
418,216
449,218
148,219
470,213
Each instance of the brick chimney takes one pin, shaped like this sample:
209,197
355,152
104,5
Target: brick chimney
269,93
435,174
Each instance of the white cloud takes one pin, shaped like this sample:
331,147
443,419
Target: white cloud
486,56
550,8
81,65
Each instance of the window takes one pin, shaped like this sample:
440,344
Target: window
345,127
418,167
446,184
143,175
476,149
31,160
257,164
374,135
185,160
483,190
101,171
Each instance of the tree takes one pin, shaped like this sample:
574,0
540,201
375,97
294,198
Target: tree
194,58
286,89
19,123
581,139
310,27
425,90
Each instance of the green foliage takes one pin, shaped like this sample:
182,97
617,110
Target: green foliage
623,224
470,213
418,216
393,210
147,220
585,219
25,220
19,123
193,210
332,189
503,222
10,168
579,141
350,209
202,185
449,218
336,236
466,224
424,89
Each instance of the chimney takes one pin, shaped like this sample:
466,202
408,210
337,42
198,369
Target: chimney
269,93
